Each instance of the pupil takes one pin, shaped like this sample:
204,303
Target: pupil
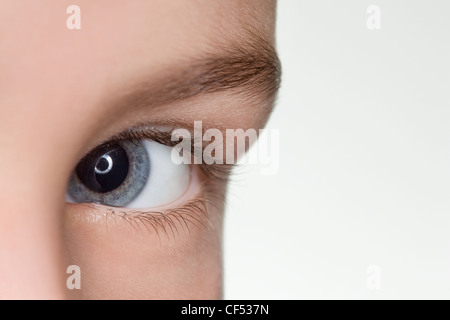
104,169
104,164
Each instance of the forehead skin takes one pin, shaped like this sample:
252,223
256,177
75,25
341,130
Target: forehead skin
62,77
57,88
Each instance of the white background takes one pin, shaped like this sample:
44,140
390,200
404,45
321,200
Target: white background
364,173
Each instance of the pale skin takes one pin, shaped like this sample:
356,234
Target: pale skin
58,99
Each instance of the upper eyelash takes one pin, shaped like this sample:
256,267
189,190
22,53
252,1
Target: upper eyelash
218,172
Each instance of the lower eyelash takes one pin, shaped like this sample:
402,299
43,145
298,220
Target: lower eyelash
170,222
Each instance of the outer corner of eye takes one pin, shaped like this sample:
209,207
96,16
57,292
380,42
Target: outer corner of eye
131,174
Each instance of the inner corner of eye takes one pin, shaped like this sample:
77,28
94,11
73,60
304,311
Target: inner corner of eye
129,173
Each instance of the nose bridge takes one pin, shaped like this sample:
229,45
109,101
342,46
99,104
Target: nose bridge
31,254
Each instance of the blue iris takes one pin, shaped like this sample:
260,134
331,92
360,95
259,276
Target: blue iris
113,174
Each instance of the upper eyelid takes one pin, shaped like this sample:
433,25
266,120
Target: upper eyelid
160,136
218,172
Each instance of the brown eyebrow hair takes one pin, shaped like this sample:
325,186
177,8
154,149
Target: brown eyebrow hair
251,67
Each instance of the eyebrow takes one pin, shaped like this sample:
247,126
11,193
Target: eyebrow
252,68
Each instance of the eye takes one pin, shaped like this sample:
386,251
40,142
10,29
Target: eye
128,173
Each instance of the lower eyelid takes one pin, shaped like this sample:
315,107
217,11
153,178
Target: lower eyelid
190,210
186,221
172,221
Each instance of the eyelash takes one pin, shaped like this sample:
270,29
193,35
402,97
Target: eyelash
215,172
194,212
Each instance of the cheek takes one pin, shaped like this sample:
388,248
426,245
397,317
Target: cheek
130,260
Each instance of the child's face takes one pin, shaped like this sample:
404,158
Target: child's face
64,92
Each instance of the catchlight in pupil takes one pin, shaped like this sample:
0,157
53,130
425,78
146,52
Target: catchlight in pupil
104,164
115,172
105,169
